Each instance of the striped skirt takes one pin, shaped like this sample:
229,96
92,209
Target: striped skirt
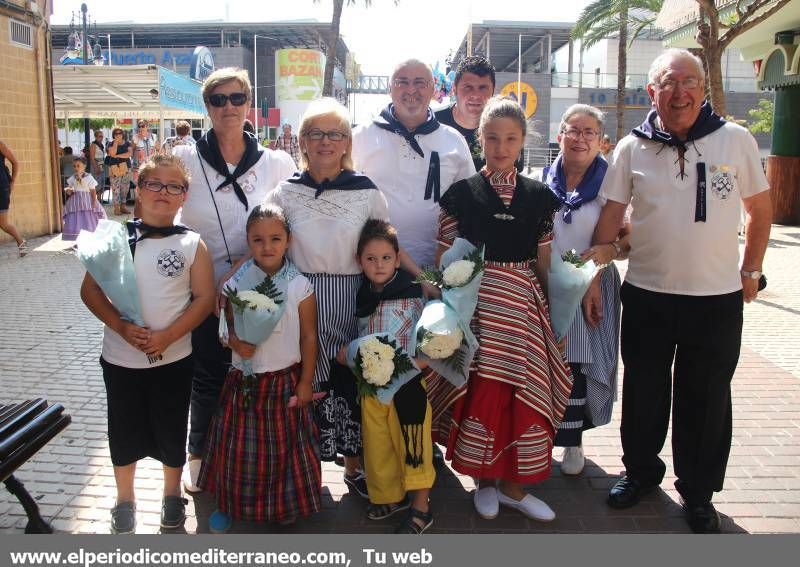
81,212
338,414
262,463
502,422
595,351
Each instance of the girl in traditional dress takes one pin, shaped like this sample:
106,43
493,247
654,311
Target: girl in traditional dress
262,455
82,209
499,426
398,451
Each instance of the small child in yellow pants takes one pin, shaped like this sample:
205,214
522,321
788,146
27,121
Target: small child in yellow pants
398,451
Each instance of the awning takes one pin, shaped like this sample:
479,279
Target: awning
129,91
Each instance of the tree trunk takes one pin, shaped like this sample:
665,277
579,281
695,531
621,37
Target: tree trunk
716,90
333,40
622,69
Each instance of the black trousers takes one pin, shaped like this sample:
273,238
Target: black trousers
700,336
211,363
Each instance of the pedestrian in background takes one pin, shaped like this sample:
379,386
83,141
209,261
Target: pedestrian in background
97,159
118,156
183,138
288,143
144,144
7,179
82,210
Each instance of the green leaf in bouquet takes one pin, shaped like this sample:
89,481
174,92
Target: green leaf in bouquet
572,257
268,288
238,303
476,257
431,276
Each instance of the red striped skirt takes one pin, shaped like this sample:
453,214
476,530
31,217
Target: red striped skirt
501,424
263,462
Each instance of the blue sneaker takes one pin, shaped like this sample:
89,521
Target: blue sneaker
219,522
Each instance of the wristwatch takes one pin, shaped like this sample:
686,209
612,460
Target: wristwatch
753,275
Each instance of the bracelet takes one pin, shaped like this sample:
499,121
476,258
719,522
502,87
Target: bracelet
617,249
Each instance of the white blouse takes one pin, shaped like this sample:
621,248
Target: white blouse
325,229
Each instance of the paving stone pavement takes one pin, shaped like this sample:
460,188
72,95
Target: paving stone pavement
51,346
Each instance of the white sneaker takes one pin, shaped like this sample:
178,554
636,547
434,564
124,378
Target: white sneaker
572,460
190,475
530,506
486,504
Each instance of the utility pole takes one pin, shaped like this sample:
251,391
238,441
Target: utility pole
84,9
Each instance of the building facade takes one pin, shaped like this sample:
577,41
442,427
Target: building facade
27,125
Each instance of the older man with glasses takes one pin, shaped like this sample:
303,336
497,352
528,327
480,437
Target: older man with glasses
412,158
685,170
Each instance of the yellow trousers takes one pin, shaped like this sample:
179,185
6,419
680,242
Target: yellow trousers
388,475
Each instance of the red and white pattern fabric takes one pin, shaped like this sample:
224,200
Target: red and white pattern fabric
262,463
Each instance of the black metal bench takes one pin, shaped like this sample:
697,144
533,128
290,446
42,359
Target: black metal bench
24,429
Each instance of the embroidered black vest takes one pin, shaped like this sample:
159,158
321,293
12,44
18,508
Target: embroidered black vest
510,234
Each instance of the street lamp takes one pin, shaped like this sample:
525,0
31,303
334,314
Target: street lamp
256,103
85,50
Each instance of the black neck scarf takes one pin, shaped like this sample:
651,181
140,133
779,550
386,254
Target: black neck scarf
410,401
706,123
401,286
148,231
208,147
347,180
387,121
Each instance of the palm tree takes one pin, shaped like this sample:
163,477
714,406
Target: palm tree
604,18
333,40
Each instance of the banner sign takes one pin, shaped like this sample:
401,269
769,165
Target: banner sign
179,91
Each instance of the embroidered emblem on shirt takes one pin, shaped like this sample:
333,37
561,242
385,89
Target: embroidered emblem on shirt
171,263
722,182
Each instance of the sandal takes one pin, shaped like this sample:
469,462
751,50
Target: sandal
411,526
23,248
383,511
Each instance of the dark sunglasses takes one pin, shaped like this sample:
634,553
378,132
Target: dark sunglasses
156,187
218,100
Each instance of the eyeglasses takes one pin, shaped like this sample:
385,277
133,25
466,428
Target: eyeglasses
333,135
219,100
156,187
687,84
418,84
588,134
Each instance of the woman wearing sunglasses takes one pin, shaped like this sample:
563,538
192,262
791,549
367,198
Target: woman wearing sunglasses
230,174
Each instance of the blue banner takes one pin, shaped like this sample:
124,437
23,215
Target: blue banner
179,91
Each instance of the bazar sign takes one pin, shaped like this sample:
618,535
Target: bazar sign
299,62
179,91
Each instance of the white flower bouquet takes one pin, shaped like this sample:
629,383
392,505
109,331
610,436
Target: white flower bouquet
568,279
106,255
380,366
257,304
446,341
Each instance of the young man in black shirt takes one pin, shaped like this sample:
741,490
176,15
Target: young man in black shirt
473,86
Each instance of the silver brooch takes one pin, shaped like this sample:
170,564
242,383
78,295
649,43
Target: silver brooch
503,216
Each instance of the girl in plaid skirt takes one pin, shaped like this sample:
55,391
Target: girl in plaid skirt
262,457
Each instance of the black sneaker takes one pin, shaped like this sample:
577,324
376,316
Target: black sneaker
173,512
357,482
123,518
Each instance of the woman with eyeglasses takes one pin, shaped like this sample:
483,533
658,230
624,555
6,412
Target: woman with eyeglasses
593,339
230,174
119,170
327,204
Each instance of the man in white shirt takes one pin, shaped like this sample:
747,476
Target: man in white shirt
684,170
412,158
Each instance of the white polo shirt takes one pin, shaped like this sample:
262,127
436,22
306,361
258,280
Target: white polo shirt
670,252
401,174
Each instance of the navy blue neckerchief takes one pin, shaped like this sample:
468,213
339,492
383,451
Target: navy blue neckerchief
706,123
148,231
387,121
587,189
347,180
402,286
208,147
